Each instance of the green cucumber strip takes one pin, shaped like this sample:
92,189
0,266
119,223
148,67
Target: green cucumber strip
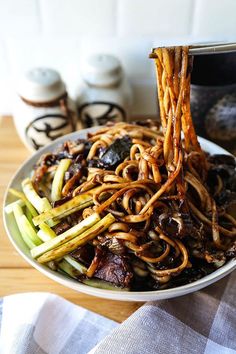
46,233
77,241
30,218
43,236
78,266
9,208
18,212
22,196
68,269
29,230
40,204
47,230
66,236
58,179
102,284
77,203
45,204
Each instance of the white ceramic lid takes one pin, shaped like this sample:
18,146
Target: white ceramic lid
102,70
41,85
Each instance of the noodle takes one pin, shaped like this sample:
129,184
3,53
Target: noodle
169,226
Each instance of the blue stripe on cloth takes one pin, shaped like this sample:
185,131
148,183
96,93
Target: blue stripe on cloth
151,330
24,342
89,332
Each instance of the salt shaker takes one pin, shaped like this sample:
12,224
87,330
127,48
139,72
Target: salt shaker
106,94
43,110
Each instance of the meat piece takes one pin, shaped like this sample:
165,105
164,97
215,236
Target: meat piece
231,252
177,224
61,201
65,151
115,245
84,254
74,148
47,159
41,168
61,227
87,146
77,167
39,173
114,269
64,154
217,258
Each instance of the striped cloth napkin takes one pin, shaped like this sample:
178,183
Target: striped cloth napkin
202,322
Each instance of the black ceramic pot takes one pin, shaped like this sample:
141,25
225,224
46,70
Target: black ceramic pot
213,98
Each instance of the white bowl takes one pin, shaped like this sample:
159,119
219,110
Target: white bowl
20,246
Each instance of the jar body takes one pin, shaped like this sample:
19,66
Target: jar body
37,126
213,98
98,105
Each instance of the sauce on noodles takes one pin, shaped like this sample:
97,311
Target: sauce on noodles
170,200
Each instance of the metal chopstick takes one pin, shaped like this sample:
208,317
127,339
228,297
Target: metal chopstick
207,49
213,49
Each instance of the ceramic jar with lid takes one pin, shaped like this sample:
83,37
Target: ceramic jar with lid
106,94
213,98
43,110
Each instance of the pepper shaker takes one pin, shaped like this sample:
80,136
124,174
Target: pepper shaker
106,94
43,110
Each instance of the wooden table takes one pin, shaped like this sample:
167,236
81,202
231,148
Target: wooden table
16,276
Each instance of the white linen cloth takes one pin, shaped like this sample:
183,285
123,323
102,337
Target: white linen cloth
43,323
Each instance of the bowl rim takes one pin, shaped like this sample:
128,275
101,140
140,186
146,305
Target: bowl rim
104,293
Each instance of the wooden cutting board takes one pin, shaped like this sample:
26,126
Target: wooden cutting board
17,276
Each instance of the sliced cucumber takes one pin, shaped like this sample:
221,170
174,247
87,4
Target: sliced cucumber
58,179
77,203
77,241
66,236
